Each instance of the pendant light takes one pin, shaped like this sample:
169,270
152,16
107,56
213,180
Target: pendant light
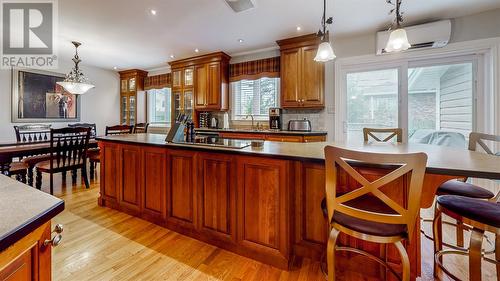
76,83
398,40
325,51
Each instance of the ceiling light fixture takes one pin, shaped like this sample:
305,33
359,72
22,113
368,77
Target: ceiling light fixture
115,68
196,50
241,40
299,28
172,56
325,52
76,83
398,40
153,12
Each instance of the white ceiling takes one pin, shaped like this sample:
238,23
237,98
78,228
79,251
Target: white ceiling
123,33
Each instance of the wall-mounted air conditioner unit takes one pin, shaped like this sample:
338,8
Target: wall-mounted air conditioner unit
429,35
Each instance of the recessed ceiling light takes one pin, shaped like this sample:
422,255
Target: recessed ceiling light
172,56
241,40
115,68
153,12
299,28
196,50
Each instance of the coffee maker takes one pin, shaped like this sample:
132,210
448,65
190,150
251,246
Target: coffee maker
275,118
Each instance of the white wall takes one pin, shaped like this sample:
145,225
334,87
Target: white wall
100,105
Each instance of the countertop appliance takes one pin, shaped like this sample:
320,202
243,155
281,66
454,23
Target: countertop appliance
303,125
275,118
214,123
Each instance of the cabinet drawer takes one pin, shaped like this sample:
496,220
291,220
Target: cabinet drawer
314,138
283,138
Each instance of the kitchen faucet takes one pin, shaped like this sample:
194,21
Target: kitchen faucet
251,116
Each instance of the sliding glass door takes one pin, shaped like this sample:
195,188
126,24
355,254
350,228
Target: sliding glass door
433,101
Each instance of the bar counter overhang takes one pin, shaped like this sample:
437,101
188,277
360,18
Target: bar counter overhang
260,203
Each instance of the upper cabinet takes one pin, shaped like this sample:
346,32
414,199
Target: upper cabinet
207,76
302,79
131,82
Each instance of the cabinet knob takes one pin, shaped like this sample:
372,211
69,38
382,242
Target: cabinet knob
56,240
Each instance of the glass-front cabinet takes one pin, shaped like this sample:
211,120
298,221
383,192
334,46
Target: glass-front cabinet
131,82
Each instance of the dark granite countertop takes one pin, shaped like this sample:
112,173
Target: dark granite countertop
23,209
277,132
441,160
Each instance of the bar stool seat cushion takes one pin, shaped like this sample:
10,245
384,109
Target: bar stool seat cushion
368,203
485,212
455,187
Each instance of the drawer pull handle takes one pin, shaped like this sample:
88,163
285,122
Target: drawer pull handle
56,240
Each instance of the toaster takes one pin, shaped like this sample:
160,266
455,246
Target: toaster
303,125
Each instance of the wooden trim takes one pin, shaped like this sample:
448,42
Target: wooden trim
212,57
300,41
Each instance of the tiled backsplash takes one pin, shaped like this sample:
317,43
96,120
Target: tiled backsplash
317,118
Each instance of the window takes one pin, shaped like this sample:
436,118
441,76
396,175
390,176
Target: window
254,97
159,106
434,101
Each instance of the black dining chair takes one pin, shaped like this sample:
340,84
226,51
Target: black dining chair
141,128
68,152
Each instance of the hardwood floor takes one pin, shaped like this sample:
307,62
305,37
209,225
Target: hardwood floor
103,244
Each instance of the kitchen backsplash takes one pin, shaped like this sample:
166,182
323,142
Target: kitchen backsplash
317,118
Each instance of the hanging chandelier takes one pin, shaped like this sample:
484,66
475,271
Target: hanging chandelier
398,40
76,83
325,51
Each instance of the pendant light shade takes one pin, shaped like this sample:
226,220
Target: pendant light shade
325,53
398,41
76,83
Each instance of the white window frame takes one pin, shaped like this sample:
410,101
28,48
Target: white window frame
485,54
148,110
256,118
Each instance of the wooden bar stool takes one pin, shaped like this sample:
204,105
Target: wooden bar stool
482,216
461,188
392,133
141,128
366,212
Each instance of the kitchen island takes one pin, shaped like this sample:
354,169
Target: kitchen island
260,203
25,231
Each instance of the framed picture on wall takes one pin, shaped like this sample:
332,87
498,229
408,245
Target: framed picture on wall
37,98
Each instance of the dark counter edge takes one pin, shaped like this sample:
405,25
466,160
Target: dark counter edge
449,172
23,230
292,133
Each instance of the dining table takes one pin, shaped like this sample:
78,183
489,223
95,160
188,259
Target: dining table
12,150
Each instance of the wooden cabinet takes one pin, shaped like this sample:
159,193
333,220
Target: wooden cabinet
263,211
207,77
284,138
181,190
131,82
217,196
302,78
28,259
155,183
130,178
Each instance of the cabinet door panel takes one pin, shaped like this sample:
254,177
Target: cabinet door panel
214,90
201,86
263,222
290,77
217,195
311,91
176,79
188,80
130,195
155,161
109,178
181,198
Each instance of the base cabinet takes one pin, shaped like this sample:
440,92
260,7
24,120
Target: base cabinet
237,203
28,259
